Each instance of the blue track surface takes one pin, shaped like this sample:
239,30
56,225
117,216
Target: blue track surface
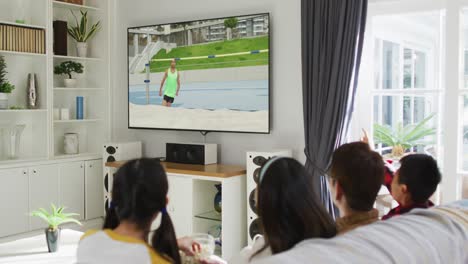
238,95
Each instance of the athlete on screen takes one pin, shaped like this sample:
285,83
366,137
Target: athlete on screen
171,90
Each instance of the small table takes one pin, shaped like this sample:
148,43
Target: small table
34,249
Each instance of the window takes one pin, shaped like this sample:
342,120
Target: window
463,111
402,78
401,96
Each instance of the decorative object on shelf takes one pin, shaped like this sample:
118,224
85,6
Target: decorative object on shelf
20,11
60,38
71,143
12,139
22,39
54,219
403,138
16,107
67,68
217,199
64,114
79,107
81,34
33,101
216,232
56,114
5,87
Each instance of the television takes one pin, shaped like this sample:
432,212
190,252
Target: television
204,75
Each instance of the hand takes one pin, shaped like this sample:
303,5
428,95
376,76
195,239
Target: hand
177,93
188,246
160,93
365,137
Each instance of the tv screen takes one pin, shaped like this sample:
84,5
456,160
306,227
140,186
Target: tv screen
204,75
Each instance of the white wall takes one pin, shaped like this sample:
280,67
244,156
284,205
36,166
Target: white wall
287,118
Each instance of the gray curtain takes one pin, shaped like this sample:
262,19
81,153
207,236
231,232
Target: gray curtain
332,40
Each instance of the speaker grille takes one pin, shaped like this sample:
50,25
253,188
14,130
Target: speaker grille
254,228
253,201
106,182
111,150
259,160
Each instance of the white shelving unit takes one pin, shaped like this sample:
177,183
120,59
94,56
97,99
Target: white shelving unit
43,174
42,138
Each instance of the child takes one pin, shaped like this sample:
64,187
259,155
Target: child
139,194
413,183
288,209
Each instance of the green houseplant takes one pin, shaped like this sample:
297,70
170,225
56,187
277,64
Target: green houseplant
402,137
81,33
67,68
54,219
5,86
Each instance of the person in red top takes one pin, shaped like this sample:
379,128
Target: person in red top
414,183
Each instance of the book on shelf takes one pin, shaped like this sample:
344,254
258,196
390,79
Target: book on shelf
22,39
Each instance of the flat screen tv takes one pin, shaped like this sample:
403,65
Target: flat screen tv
204,75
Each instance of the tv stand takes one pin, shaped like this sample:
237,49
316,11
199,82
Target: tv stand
191,201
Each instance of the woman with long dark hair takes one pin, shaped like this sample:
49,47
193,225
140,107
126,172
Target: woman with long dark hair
139,195
288,209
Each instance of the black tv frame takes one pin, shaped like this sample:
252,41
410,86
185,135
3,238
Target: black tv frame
197,130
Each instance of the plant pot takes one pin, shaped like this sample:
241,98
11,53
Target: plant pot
3,101
70,83
82,49
53,239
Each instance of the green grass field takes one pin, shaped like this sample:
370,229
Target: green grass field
225,47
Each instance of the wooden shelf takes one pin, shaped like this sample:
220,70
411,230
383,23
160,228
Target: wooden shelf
76,58
24,111
65,89
212,170
71,121
21,25
59,4
22,53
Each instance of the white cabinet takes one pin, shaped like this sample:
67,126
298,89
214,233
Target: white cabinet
72,185
14,201
180,204
43,190
93,189
77,185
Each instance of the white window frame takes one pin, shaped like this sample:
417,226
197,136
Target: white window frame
451,84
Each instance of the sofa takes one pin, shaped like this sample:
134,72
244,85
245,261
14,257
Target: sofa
437,235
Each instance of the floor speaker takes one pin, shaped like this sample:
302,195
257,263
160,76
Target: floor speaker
255,160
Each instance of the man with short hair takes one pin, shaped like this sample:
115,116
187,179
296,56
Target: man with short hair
356,176
172,80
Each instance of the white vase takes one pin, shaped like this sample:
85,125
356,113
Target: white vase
70,83
3,101
82,49
70,143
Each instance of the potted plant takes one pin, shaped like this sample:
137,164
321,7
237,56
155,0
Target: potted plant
81,33
402,137
5,86
67,68
54,219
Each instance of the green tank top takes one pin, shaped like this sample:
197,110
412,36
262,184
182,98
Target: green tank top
171,83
